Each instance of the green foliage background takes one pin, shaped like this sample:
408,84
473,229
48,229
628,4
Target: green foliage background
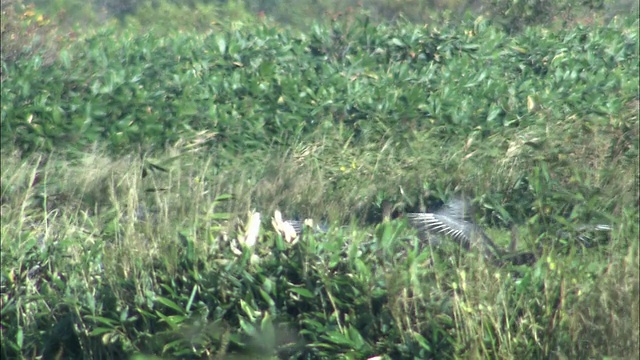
136,136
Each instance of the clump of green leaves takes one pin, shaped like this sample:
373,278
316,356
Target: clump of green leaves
106,254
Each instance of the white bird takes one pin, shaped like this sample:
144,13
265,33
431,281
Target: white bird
291,230
253,230
285,228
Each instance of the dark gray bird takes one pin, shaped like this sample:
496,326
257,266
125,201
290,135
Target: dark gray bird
587,235
454,221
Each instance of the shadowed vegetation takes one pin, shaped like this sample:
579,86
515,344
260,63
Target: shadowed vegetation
133,163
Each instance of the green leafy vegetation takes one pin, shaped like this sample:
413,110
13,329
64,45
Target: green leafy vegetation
134,158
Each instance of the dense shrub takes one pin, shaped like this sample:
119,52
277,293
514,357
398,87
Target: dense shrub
267,85
110,253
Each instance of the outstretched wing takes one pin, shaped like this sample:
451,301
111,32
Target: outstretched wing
453,221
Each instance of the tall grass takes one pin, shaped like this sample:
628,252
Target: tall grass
93,246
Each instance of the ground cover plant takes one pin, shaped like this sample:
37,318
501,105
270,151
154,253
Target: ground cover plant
133,164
